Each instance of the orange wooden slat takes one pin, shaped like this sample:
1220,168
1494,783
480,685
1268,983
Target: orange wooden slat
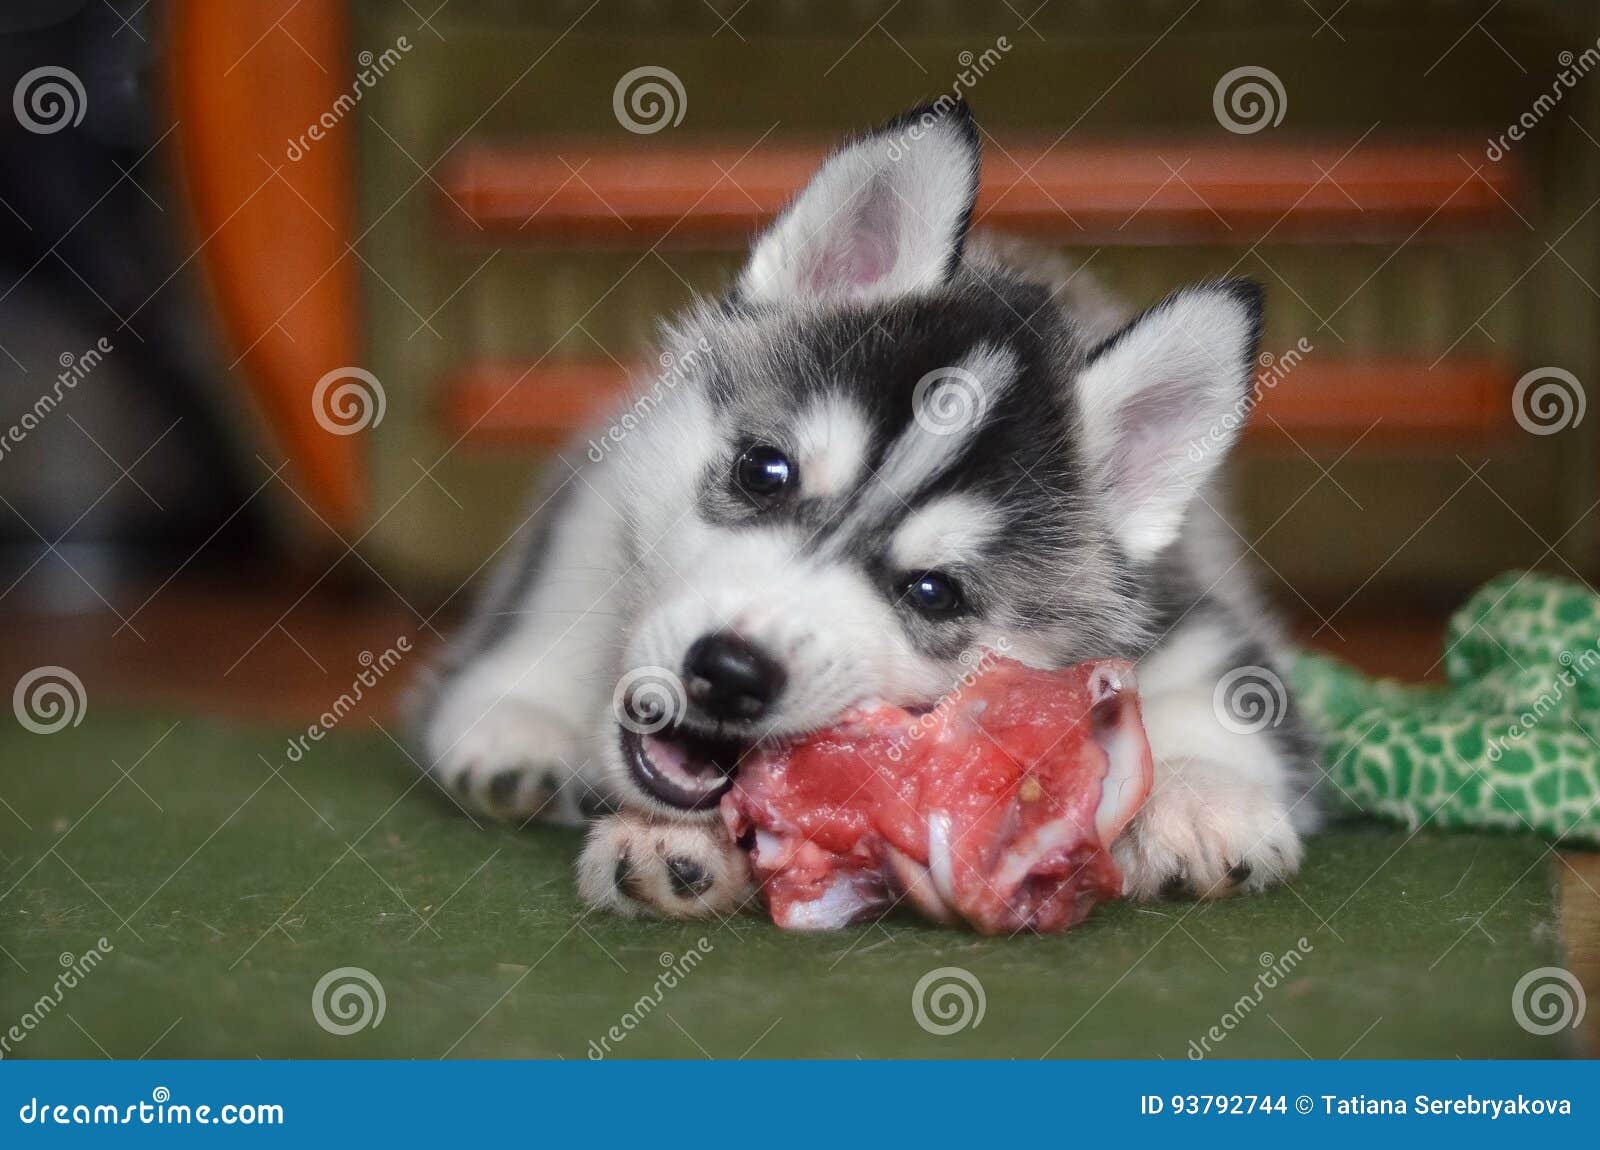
1314,402
1127,193
1390,400
508,402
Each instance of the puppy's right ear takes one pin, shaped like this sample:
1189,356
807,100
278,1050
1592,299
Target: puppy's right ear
884,216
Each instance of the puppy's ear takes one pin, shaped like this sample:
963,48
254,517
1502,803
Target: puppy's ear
1161,402
885,215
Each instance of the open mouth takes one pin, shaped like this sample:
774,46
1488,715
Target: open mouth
682,768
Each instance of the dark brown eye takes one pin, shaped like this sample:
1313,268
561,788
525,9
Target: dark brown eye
763,471
932,593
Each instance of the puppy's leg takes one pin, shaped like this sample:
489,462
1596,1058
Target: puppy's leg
508,722
633,865
1228,806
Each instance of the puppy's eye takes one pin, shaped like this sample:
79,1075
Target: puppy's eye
763,471
932,593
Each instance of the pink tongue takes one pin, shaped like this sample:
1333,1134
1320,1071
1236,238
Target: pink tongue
671,761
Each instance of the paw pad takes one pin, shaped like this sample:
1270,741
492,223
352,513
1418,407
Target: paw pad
627,879
688,878
503,787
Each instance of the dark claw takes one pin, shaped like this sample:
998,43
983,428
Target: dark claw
688,878
1175,887
1239,872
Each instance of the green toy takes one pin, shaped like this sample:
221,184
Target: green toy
1513,740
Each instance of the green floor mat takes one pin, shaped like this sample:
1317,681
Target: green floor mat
228,883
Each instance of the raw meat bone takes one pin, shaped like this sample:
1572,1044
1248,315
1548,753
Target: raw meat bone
996,808
1116,728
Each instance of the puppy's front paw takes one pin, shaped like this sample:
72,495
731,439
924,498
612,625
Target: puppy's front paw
633,865
1204,836
512,761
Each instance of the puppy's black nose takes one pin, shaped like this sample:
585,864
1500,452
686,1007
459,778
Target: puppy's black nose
730,678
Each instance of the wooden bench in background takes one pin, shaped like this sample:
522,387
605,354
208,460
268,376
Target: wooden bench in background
1238,194
287,283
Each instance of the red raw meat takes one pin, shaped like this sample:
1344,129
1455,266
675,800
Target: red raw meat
997,807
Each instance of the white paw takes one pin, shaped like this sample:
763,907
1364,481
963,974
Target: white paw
1203,834
513,761
634,865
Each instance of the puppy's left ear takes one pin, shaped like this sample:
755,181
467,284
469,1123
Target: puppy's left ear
885,215
1161,403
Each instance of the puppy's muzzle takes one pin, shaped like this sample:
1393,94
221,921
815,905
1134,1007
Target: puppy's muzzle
687,760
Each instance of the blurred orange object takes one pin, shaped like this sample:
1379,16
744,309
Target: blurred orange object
248,80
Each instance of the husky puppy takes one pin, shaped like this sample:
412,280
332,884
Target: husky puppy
886,447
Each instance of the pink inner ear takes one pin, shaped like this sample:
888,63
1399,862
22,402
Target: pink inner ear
859,248
1150,430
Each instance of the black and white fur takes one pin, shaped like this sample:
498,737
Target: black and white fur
1075,511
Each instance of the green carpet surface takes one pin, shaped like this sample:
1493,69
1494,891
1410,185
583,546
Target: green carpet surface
228,881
